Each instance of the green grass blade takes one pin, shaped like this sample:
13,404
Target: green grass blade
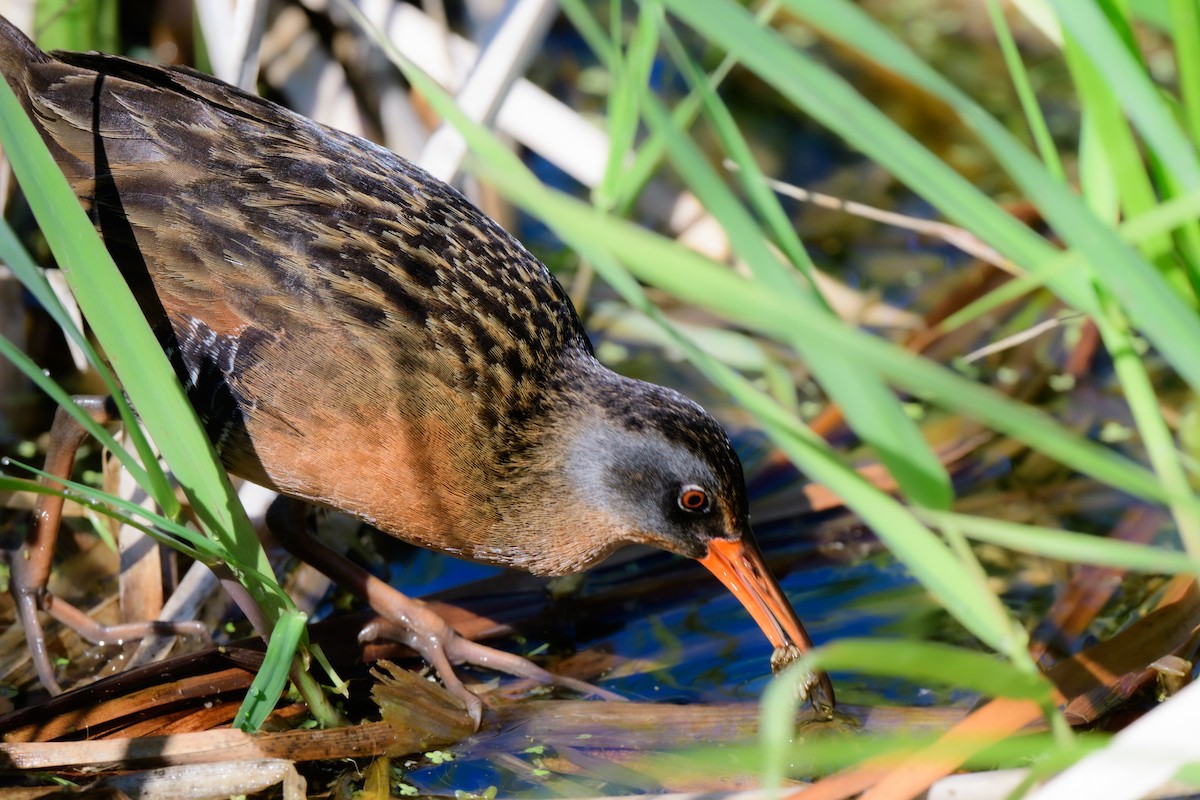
647,159
834,103
585,25
697,280
1163,218
914,661
1119,165
1025,94
631,76
1185,30
872,410
150,476
59,395
1111,167
1131,85
131,347
1155,308
930,662
870,407
118,322
22,265
272,676
762,197
189,542
1074,548
77,24
1155,434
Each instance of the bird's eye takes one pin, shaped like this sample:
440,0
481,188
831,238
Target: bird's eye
694,499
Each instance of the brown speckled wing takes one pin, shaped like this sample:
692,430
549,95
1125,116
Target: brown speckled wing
288,267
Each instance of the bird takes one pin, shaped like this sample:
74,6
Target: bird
355,334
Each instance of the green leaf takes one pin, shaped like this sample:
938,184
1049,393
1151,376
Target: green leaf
129,343
631,77
872,410
1132,87
272,676
1074,548
1157,311
143,368
874,413
917,662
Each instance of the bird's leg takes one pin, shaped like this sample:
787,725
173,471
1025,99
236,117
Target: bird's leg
32,562
409,620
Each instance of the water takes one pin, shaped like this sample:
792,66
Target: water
681,638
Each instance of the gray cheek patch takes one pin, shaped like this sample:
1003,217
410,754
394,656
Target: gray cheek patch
629,476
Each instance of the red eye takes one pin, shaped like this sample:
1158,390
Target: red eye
693,498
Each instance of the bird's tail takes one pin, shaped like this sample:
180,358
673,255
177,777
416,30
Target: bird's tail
17,54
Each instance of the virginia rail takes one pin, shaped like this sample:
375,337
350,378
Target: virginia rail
355,334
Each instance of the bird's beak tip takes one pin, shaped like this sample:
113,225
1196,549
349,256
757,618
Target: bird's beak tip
739,565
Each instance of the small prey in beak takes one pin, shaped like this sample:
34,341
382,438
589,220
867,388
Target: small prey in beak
740,566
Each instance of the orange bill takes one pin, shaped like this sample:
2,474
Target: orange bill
740,566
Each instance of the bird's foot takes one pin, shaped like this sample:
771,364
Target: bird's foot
408,620
412,622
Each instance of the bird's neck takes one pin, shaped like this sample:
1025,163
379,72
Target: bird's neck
544,487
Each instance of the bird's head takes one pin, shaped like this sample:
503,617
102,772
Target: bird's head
644,464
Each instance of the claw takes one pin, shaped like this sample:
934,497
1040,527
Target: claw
410,621
431,645
441,646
